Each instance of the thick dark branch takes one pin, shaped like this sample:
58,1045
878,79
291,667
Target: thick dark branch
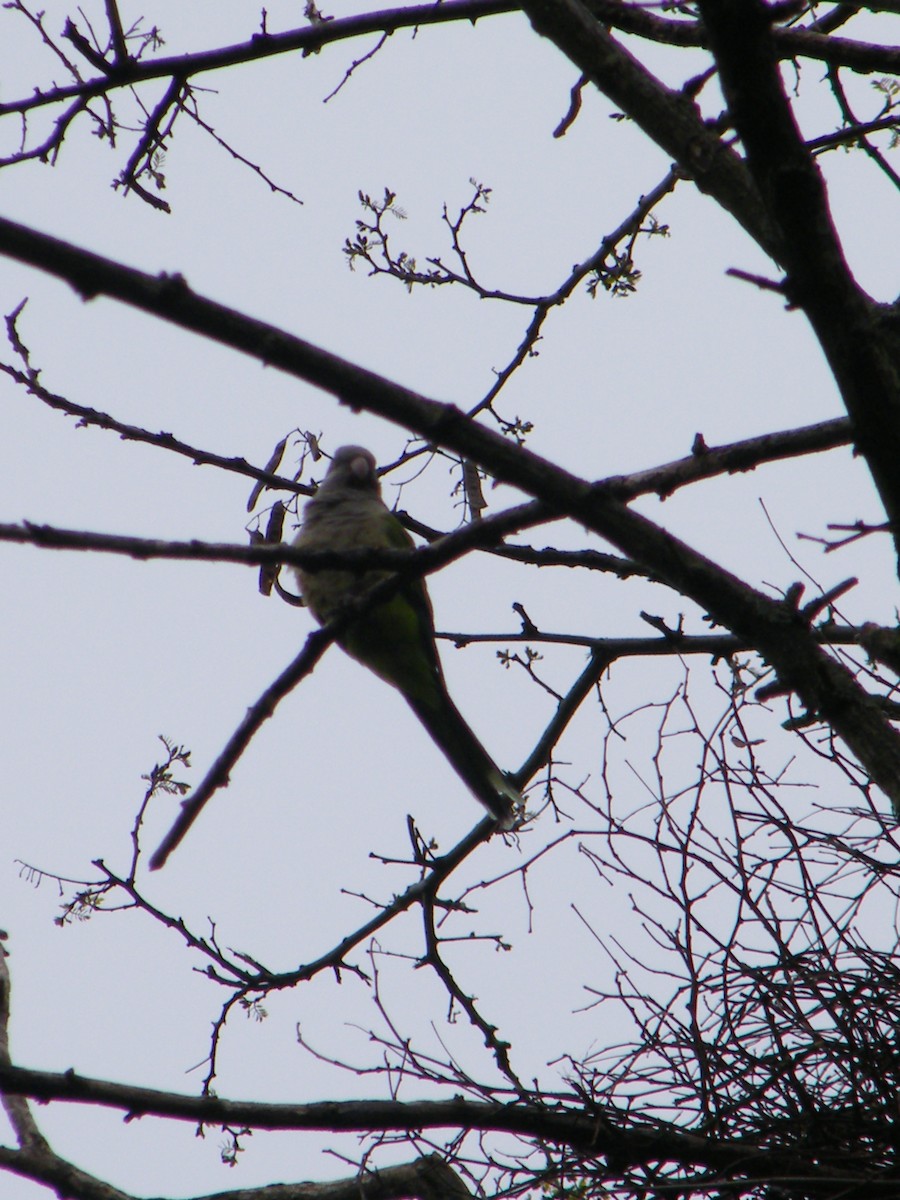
170,298
789,43
780,201
571,1126
669,118
62,1177
308,40
600,1135
485,534
862,350
428,1178
777,631
745,455
837,52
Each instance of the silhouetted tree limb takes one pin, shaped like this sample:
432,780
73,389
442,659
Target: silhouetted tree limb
860,340
668,117
261,46
601,1132
777,630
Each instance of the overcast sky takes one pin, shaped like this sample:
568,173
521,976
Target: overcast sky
102,654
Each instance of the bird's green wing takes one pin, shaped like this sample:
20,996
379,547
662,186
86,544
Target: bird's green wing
400,646
396,639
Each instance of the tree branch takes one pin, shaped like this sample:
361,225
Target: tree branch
669,118
812,42
778,632
602,1134
862,350
309,39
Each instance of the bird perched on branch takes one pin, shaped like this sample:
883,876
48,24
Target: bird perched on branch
394,637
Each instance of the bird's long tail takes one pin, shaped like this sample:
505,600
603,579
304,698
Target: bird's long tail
478,771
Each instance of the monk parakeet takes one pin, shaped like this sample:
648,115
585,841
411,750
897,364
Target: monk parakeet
395,639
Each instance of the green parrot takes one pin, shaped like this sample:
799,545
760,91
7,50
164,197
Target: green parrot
395,639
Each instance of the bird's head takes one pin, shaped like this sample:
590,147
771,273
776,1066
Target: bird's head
352,467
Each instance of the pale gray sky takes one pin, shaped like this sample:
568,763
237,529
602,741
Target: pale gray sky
101,654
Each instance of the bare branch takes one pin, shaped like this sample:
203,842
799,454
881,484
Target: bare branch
309,39
861,348
824,685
